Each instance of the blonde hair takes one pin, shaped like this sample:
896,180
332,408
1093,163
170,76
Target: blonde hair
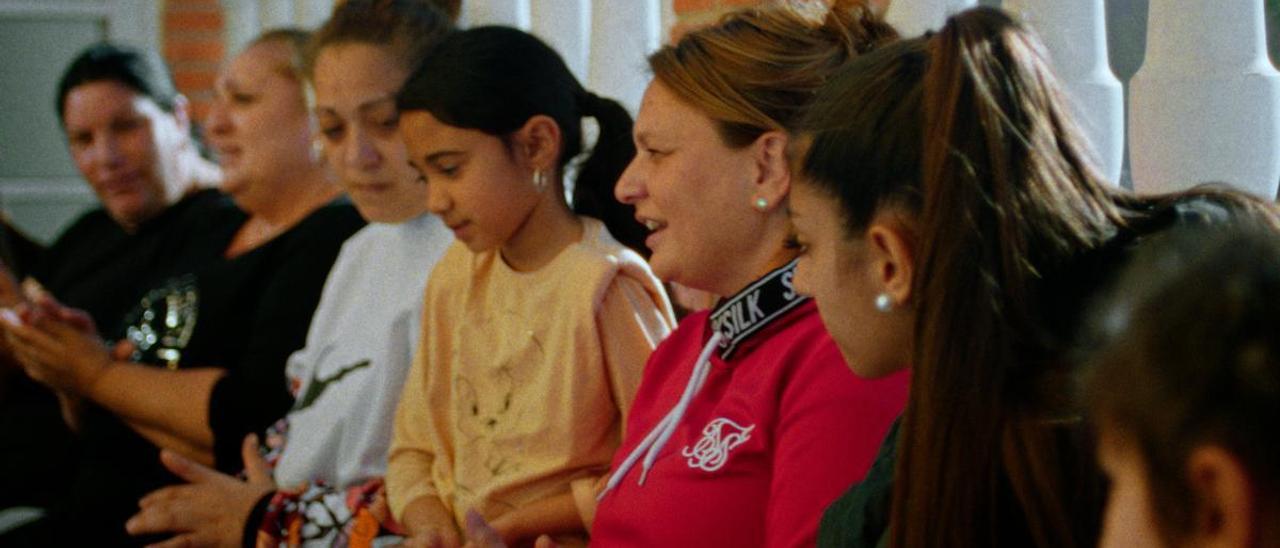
293,38
756,68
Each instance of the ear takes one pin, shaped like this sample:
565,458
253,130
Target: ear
891,244
538,143
772,170
1225,506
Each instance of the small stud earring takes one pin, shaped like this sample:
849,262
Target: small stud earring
317,150
761,204
884,302
539,180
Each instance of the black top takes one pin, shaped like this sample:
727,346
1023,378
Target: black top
98,267
18,252
250,312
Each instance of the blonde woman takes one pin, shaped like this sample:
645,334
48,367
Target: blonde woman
747,422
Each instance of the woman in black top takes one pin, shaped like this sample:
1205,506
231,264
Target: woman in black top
220,333
128,135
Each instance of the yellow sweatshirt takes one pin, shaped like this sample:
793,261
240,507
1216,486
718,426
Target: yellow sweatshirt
522,380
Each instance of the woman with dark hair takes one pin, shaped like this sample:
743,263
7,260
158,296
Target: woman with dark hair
1185,392
747,423
537,322
327,456
953,224
129,136
208,344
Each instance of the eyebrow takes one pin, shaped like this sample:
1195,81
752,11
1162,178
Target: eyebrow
434,156
375,103
364,107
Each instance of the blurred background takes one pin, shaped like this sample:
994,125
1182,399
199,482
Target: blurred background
40,190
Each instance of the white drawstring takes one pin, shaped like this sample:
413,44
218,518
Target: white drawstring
658,437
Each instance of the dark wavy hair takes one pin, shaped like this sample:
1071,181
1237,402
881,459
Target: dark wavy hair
409,28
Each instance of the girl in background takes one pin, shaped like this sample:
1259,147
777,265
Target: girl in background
1185,393
537,322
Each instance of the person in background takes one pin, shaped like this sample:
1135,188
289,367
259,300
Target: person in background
537,322
128,134
208,346
323,474
952,223
747,422
1185,392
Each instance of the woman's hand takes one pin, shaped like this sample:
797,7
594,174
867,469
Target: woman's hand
210,510
57,345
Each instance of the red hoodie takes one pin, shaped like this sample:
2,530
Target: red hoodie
776,431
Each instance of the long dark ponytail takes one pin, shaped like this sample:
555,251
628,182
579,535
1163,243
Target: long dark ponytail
493,79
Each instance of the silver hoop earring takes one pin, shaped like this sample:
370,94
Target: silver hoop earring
884,302
539,180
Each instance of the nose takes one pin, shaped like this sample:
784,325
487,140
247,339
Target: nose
106,149
217,122
438,200
360,151
631,185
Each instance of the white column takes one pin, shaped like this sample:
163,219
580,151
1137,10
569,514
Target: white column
623,34
512,13
1075,34
914,17
1205,106
566,26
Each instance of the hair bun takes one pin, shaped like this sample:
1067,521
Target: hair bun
857,25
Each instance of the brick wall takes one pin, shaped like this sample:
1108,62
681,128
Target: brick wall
194,46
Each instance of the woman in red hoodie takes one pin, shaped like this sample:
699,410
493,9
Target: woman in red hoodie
747,422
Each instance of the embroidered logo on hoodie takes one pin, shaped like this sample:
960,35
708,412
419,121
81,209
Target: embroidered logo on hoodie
719,437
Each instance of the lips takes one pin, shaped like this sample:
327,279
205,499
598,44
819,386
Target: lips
227,153
370,187
655,228
120,184
458,228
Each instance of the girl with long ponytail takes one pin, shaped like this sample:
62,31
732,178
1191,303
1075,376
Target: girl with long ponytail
537,321
949,203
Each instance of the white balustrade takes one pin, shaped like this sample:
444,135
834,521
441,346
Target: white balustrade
1075,34
624,33
511,13
566,26
1205,106
914,17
